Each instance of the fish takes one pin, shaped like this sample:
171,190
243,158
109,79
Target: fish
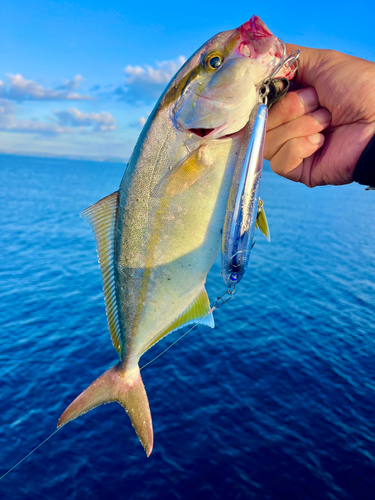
159,235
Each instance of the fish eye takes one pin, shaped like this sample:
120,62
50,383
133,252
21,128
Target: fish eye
212,61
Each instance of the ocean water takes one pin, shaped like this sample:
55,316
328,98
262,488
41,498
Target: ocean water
277,402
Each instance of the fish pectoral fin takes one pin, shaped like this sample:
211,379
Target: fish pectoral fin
187,174
261,222
102,217
127,389
198,312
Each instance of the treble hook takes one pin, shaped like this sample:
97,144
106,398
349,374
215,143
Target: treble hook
278,93
290,60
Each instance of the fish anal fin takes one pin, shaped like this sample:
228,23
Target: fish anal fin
102,217
198,311
187,174
261,222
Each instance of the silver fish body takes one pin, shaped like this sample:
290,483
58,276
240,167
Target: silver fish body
169,230
159,235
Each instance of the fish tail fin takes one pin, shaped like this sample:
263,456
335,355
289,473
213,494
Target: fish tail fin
124,387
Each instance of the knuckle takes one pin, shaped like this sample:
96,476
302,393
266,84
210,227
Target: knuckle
288,105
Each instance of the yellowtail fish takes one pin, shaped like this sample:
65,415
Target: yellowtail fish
160,233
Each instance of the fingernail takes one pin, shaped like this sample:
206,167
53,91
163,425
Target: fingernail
316,139
322,116
309,97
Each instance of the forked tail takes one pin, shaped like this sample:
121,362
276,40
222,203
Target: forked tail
128,390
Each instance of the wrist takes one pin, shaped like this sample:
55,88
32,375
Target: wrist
364,172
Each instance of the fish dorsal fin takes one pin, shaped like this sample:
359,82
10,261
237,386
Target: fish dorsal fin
187,174
102,218
261,222
199,309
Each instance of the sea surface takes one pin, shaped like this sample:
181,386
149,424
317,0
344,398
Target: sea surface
277,402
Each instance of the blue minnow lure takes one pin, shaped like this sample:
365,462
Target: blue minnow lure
243,202
244,208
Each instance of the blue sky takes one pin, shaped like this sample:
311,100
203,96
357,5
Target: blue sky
79,78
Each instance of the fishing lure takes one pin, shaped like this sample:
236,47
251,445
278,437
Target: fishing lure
244,208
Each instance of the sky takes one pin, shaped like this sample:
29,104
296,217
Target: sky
78,79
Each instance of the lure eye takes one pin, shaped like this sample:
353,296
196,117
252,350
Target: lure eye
212,61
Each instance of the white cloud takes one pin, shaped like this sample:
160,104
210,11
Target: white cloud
138,124
36,127
9,122
161,75
64,122
144,84
100,121
72,84
20,89
6,108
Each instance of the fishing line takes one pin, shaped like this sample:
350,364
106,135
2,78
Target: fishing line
219,302
31,452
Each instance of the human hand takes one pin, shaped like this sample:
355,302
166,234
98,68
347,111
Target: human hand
316,134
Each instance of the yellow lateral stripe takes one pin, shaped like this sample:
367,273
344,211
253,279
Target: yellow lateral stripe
175,91
102,218
151,247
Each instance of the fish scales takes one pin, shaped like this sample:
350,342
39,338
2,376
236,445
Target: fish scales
181,232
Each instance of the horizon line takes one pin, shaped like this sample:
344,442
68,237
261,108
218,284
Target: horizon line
105,159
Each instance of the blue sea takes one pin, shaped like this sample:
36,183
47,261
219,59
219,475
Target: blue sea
276,403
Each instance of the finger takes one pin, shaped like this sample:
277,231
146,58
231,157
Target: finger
303,126
289,161
292,106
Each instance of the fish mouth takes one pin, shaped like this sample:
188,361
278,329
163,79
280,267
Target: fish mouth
205,132
210,132
201,132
